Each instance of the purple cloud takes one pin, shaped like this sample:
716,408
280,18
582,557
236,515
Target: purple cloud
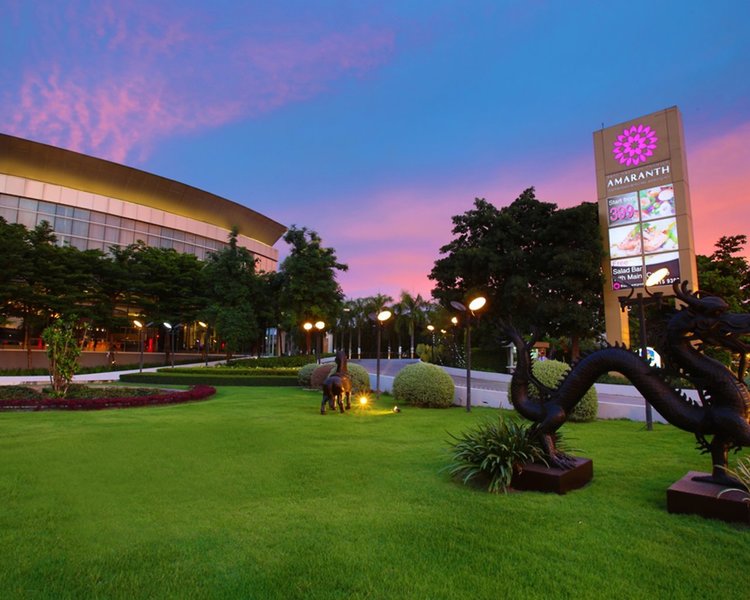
140,75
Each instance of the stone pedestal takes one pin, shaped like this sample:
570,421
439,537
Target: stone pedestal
540,478
688,496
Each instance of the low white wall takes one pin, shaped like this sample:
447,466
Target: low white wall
615,401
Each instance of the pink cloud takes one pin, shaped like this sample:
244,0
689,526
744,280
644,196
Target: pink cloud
141,75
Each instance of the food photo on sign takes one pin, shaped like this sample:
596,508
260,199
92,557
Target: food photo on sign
657,202
659,236
625,241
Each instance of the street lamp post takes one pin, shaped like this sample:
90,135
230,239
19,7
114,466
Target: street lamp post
380,319
307,326
320,326
474,305
168,342
205,340
431,329
641,300
139,326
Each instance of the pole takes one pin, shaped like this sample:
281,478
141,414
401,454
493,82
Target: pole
468,362
205,344
644,354
140,336
377,365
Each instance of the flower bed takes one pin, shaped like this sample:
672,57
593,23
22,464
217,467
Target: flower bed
198,392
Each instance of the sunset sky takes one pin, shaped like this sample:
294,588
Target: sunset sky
375,121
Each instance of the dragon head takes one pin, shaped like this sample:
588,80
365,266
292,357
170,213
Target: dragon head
707,318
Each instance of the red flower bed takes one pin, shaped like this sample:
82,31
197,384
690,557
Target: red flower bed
198,392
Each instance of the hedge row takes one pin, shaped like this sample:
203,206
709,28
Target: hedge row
233,372
207,378
298,360
199,392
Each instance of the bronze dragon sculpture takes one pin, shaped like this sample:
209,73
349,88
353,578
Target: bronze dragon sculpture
724,407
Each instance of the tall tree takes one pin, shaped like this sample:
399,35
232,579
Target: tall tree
309,289
414,310
234,295
539,267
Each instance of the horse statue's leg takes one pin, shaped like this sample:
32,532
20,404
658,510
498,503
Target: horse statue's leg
327,396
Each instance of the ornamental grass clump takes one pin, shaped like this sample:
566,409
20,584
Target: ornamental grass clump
550,373
490,454
423,384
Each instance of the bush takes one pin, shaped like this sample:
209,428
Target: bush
153,398
208,378
232,372
550,373
423,384
490,454
304,374
18,392
357,373
298,360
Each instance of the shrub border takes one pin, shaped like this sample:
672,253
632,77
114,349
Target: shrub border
198,392
209,379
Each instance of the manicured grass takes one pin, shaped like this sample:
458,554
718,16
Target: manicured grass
253,494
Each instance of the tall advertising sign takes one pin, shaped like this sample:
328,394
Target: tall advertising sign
644,209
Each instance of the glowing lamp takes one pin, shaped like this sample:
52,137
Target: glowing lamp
384,315
137,323
477,303
363,400
657,277
319,325
307,326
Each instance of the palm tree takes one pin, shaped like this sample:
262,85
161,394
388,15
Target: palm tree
414,308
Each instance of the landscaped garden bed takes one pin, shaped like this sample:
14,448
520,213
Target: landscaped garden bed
81,397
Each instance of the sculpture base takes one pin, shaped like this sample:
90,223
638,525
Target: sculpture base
688,496
540,478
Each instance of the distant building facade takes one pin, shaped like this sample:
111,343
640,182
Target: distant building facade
94,204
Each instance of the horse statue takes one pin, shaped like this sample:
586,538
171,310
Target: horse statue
337,388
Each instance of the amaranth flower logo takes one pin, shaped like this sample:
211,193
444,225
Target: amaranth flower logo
635,145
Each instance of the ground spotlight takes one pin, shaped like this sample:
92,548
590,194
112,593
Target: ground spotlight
396,409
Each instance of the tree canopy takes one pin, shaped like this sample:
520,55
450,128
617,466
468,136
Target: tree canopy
308,287
539,266
726,272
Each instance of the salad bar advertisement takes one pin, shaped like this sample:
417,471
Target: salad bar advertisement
643,235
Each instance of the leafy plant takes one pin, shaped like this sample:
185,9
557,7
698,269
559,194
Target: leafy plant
423,384
62,352
741,473
491,453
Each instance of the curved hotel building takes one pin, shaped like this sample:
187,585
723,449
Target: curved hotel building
94,204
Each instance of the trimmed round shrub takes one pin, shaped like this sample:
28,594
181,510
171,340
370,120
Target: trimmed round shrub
550,373
357,373
423,384
305,373
320,374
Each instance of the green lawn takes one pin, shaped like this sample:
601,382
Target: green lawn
253,494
